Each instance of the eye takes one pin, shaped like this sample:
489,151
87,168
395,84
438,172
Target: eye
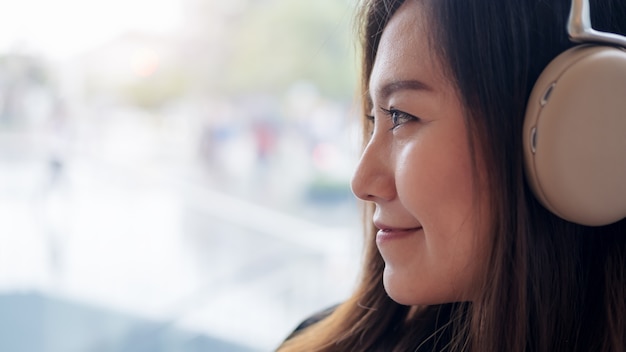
398,117
369,126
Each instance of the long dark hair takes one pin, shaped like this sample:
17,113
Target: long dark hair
551,285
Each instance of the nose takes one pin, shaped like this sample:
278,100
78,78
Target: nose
373,178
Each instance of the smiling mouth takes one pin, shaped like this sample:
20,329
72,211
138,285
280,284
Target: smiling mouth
390,234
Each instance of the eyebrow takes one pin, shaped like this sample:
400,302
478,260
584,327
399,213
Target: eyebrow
394,86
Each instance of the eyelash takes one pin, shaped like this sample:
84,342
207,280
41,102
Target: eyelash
394,115
398,117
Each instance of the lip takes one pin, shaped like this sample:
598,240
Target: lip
389,233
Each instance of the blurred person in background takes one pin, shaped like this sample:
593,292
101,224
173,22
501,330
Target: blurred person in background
460,254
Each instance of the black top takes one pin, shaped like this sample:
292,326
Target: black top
433,334
312,320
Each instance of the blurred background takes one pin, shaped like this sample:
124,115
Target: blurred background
174,174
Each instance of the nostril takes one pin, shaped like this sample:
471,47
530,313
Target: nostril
373,187
373,178
356,187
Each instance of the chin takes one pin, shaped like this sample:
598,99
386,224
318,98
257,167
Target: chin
412,295
400,292
400,299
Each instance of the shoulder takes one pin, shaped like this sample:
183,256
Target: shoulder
312,320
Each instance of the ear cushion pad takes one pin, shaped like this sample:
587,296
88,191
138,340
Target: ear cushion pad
575,135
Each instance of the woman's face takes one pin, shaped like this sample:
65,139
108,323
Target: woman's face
417,170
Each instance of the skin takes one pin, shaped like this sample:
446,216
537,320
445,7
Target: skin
417,170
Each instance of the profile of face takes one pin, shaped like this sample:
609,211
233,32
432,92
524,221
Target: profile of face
417,170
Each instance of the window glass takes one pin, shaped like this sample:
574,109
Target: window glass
174,174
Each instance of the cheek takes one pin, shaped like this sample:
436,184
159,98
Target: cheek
434,181
436,186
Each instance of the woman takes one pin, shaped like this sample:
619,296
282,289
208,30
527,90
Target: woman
460,256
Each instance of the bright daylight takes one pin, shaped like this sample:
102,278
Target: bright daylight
174,174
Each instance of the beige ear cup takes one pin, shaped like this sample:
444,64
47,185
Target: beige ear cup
575,135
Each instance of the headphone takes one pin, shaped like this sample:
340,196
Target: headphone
575,127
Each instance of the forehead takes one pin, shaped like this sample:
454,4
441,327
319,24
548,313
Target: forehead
405,51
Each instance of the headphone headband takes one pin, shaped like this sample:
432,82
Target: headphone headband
580,30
